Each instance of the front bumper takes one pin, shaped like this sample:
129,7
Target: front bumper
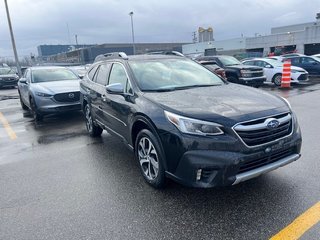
8,83
253,81
235,163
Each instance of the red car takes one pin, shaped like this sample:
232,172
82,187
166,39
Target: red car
213,67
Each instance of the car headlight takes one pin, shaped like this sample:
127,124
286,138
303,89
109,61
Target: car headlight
194,126
40,94
287,102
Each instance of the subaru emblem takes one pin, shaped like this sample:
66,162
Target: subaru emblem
272,123
71,95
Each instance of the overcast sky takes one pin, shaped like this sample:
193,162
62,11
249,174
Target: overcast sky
37,22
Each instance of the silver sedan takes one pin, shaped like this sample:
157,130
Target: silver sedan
46,90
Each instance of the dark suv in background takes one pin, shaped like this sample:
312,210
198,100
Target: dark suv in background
184,122
236,72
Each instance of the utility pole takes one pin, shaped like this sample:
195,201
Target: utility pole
12,40
194,34
76,36
133,44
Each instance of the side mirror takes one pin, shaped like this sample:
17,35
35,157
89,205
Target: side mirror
23,80
115,88
268,66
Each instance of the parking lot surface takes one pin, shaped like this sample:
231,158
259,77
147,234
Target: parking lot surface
58,183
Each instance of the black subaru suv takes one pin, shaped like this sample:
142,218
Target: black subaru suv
237,72
186,123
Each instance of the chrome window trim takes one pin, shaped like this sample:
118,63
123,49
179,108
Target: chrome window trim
270,116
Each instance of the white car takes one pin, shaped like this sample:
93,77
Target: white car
316,55
273,70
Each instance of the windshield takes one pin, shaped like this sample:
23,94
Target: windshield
229,61
4,71
172,74
47,75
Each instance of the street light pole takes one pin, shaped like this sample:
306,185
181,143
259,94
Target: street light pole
12,40
133,44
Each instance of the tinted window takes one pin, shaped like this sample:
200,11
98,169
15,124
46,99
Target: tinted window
249,63
52,74
294,60
118,75
92,72
102,74
307,60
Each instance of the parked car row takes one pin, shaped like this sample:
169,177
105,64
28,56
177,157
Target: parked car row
273,70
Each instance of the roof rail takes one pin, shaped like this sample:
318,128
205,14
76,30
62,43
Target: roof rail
176,53
110,56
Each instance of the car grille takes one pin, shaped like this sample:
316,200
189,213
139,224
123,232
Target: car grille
258,132
67,97
257,73
303,77
265,160
9,79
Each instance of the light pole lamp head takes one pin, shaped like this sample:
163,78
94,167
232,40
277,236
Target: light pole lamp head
130,13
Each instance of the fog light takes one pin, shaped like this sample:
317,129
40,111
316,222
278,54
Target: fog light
199,171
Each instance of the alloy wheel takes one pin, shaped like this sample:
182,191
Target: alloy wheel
89,122
148,158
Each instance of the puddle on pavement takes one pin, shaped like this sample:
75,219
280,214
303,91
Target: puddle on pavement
47,139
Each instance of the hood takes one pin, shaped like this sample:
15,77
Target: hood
243,67
54,87
230,101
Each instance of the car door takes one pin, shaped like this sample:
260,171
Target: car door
117,107
268,70
24,87
311,65
91,92
98,91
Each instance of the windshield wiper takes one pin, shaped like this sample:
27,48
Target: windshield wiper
179,88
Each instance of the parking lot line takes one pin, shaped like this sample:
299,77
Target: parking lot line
6,125
300,225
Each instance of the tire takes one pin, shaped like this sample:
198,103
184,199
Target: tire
277,79
150,158
93,130
23,106
36,115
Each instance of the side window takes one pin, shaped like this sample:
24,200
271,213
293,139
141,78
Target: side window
259,63
28,75
249,63
101,76
118,75
92,72
25,73
295,60
307,60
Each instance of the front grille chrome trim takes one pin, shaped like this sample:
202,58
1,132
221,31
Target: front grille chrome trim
264,169
271,116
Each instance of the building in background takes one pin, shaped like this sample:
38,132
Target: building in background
302,38
47,50
88,54
205,35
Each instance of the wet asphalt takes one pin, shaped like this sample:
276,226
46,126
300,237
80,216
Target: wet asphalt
58,183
